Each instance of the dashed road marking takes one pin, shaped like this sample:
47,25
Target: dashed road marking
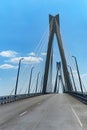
23,113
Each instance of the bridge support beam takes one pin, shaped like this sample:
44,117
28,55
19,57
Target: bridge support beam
59,71
56,80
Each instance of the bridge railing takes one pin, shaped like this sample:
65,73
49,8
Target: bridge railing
12,98
80,96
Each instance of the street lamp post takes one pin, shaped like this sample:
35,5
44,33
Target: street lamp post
18,75
37,82
30,80
72,77
78,73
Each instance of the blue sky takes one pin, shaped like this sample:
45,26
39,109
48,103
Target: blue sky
22,24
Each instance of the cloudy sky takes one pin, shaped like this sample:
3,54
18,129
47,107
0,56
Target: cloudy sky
22,24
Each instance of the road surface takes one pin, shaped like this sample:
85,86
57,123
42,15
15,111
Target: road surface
48,112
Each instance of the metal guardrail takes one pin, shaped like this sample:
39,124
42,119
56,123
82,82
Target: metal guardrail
13,98
80,96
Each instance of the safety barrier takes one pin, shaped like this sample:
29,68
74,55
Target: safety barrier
13,98
80,96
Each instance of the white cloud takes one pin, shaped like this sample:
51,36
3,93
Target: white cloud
8,53
32,54
32,59
84,75
36,59
29,59
14,60
7,66
43,53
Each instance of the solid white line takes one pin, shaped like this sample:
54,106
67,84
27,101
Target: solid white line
76,117
23,113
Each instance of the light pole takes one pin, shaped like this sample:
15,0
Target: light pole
18,75
30,80
37,82
72,77
78,73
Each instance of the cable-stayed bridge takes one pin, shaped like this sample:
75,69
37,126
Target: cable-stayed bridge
35,103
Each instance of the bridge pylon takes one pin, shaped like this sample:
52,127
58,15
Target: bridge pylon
59,71
54,28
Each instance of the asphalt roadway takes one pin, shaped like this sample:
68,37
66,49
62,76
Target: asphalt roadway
48,112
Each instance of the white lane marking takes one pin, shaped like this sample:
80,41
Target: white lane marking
23,113
39,103
76,117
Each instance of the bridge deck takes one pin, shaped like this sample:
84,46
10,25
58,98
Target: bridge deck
49,112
